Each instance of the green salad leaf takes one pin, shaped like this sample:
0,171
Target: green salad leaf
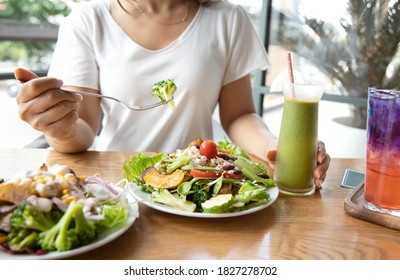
163,196
134,166
113,214
226,145
250,192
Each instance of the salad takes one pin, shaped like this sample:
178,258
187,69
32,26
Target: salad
205,177
53,209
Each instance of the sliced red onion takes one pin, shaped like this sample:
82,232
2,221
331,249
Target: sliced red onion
99,191
101,182
77,192
7,208
60,205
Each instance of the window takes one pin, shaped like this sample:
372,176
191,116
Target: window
28,32
350,44
337,41
340,43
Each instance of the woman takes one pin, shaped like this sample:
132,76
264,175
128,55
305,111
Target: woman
121,48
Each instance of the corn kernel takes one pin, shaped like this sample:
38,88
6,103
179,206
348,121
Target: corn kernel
69,177
39,179
68,199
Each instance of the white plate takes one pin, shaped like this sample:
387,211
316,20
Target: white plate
104,237
146,199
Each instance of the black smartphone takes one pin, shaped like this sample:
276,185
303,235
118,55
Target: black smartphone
352,178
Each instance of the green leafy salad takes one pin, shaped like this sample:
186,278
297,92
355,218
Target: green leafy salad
205,177
52,209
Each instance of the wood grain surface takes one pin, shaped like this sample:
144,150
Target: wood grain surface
313,227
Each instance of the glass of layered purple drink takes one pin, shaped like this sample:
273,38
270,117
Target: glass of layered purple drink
382,179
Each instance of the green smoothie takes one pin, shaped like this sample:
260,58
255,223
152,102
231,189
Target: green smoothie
297,148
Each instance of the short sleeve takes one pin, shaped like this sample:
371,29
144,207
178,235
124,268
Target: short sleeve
74,59
246,53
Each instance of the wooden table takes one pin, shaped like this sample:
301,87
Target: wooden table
314,227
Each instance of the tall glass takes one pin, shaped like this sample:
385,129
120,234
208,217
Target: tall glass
382,178
297,148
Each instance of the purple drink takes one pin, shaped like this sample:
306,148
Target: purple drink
382,184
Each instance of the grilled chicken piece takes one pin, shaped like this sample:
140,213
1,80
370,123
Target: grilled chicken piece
15,194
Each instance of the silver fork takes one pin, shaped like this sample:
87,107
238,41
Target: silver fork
130,107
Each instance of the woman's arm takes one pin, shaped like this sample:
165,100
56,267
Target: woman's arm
239,119
68,121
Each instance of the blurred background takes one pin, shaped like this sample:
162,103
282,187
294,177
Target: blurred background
348,44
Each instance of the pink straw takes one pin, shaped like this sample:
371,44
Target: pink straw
290,69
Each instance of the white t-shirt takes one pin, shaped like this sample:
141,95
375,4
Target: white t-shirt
219,46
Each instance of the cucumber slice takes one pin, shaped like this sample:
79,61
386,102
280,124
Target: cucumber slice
218,204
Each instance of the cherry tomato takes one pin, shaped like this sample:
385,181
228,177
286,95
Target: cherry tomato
213,174
204,174
208,149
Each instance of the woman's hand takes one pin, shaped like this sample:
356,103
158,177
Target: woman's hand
45,107
323,161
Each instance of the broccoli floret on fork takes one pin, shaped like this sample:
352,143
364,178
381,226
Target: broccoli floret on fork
165,90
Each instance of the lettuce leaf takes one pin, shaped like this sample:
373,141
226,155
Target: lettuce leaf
134,166
163,196
250,192
228,146
113,215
